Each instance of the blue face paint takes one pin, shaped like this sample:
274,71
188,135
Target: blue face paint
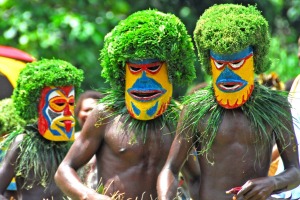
148,86
233,77
144,61
150,112
50,116
228,77
135,109
148,90
229,57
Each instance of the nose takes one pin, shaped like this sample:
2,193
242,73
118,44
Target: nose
67,111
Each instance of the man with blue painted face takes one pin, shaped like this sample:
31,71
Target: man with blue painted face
234,121
132,128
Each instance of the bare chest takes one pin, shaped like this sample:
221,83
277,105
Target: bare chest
151,144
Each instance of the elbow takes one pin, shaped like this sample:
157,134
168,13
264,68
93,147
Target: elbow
57,176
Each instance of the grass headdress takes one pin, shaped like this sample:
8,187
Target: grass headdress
37,75
148,34
229,28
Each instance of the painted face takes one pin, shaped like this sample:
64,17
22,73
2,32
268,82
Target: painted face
56,113
233,77
148,90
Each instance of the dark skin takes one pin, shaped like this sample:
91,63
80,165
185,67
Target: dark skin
9,194
124,168
36,192
234,163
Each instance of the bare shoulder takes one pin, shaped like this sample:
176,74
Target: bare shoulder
101,112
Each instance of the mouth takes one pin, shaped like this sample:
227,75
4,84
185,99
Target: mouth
67,124
231,86
145,95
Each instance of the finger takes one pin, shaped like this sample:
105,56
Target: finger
234,190
245,189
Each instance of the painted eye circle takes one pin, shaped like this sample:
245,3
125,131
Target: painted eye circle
134,69
154,69
219,65
236,65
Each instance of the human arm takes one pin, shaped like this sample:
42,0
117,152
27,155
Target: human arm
191,173
263,187
82,150
7,166
167,182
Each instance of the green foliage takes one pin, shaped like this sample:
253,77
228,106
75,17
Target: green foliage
284,61
74,30
67,30
9,120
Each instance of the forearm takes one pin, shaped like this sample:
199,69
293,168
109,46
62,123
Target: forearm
287,180
167,185
193,186
69,182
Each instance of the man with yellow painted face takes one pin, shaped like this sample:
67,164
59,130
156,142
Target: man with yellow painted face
234,121
44,98
131,129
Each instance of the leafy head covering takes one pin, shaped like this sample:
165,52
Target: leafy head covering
148,34
230,28
37,75
9,120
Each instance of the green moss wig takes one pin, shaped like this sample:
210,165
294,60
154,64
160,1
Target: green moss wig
37,75
9,120
230,28
148,34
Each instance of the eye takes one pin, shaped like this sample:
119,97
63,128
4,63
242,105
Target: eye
72,102
134,69
238,64
154,69
60,104
219,65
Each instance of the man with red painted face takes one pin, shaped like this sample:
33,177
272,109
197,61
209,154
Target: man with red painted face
132,128
44,97
234,121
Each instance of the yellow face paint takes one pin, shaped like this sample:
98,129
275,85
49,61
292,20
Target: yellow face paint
148,90
233,77
56,113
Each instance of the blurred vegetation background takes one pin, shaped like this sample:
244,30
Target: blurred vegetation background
74,30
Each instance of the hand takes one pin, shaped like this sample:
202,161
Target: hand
256,189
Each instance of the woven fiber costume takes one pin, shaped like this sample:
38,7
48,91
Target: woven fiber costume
232,51
44,97
143,56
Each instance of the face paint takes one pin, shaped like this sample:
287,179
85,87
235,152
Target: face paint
148,90
233,77
56,113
